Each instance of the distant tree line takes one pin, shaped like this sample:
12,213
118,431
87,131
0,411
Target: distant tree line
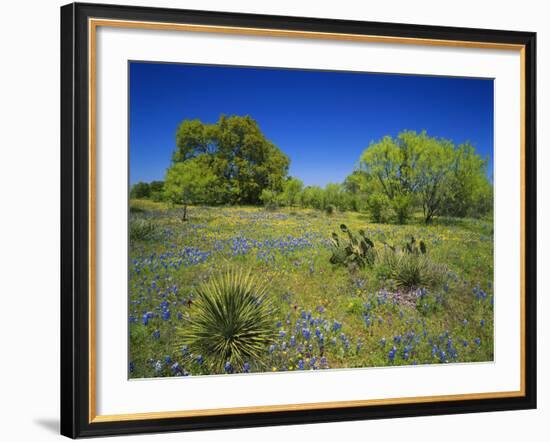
231,162
153,190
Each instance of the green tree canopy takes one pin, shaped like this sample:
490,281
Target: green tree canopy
292,187
140,190
239,155
415,169
191,182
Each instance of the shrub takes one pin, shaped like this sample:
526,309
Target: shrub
410,270
402,206
142,230
378,206
137,210
330,209
270,199
230,321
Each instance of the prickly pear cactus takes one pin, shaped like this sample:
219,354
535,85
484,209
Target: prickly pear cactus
353,251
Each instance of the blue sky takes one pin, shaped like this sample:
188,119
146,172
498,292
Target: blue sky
321,120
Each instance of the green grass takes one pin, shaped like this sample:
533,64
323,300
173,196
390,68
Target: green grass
326,316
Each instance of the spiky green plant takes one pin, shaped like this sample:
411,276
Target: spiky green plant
230,321
353,252
142,230
410,270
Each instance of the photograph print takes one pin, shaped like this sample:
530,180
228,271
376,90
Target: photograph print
288,220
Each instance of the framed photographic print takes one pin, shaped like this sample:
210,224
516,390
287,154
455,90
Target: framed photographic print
274,220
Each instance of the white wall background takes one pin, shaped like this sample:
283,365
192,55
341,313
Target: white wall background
29,219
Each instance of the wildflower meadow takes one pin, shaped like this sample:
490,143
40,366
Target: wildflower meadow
323,316
286,220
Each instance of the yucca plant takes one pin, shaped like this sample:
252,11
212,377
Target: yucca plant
230,322
411,270
142,230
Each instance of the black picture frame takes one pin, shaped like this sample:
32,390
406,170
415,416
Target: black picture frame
75,221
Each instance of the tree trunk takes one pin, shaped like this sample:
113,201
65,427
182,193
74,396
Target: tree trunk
184,217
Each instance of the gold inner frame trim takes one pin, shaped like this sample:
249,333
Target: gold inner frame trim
93,24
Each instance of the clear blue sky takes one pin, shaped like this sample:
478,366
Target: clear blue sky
321,120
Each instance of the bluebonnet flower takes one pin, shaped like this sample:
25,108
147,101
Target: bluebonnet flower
336,326
199,359
227,367
145,319
184,350
158,366
168,359
175,367
391,354
477,341
246,367
465,322
312,361
301,364
166,315
279,324
442,356
292,341
383,342
131,367
282,333
482,322
306,333
156,334
271,348
397,339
